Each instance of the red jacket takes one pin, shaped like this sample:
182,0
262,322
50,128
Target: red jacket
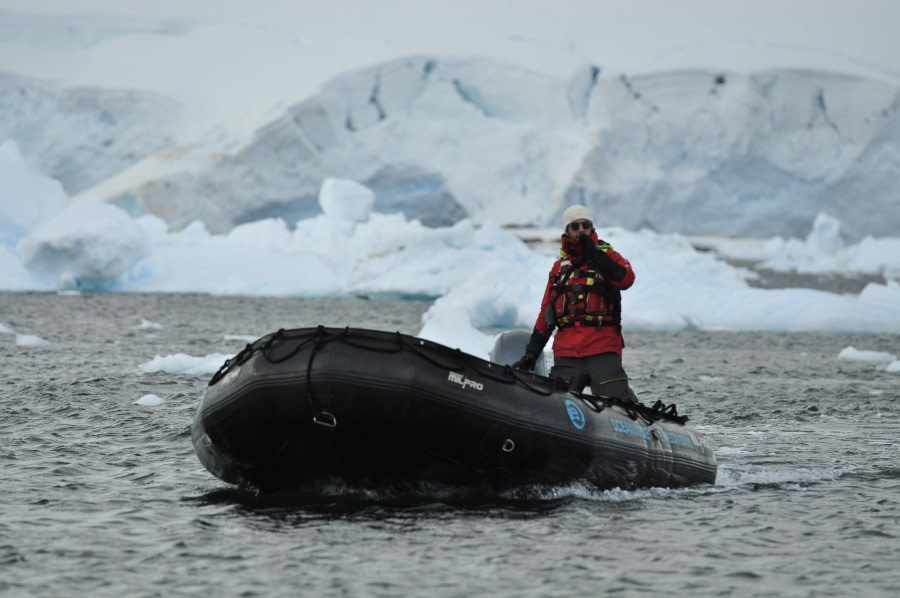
581,339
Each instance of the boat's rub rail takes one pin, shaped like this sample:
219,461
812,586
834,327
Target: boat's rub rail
320,336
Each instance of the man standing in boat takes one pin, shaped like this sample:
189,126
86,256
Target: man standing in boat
583,301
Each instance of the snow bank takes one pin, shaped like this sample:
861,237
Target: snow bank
180,363
484,278
853,354
149,400
30,340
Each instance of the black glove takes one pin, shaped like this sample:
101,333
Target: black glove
527,362
534,348
600,260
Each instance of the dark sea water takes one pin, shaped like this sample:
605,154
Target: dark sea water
105,497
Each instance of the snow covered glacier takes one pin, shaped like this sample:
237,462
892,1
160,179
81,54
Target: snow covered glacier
442,139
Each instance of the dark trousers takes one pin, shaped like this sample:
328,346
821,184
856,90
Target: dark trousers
604,372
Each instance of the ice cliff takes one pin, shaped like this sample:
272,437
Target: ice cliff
441,139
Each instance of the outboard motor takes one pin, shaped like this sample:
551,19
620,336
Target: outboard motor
510,347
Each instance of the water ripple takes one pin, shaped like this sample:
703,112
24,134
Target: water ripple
103,497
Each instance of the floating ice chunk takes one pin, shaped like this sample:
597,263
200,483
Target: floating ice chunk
818,253
853,354
874,256
149,400
886,295
270,234
244,338
893,367
88,246
180,363
454,329
346,200
148,325
825,236
29,340
4,329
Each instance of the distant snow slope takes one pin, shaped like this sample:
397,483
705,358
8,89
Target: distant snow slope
703,153
689,152
81,136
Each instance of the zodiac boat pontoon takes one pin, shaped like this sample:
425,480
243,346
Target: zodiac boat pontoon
369,408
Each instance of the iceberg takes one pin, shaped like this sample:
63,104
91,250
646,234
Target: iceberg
482,278
446,139
87,246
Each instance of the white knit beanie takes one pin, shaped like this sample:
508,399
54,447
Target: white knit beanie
576,212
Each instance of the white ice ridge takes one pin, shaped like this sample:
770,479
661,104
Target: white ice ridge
484,277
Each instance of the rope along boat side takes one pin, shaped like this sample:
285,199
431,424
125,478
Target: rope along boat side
301,407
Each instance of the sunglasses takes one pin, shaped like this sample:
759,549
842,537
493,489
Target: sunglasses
585,224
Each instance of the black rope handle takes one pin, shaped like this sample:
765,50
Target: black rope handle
270,346
235,361
506,375
426,351
514,375
318,343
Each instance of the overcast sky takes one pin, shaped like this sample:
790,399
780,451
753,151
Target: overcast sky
624,36
243,61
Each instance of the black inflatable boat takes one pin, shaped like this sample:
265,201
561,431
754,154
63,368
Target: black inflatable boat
368,408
